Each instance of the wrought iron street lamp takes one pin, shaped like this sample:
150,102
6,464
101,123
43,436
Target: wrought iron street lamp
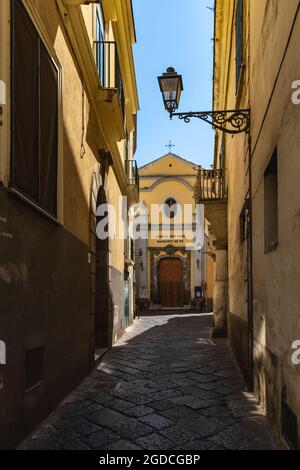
229,121
171,87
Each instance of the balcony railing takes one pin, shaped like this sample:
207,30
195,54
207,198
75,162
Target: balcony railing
129,249
108,65
210,186
132,173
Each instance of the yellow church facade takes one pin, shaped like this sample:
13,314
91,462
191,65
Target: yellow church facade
173,268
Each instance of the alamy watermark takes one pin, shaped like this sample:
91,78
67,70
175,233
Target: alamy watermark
2,353
296,92
296,354
140,222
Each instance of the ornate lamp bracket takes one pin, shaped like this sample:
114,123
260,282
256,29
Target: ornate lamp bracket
230,121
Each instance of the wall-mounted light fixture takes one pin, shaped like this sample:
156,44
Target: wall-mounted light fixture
228,121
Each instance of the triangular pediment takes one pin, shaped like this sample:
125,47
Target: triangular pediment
169,164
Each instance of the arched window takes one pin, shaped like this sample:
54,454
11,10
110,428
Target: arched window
171,208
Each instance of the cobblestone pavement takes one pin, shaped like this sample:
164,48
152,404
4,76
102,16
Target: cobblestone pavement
165,385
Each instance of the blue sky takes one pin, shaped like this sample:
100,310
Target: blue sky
177,33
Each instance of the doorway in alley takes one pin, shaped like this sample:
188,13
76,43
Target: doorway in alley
103,323
171,283
101,312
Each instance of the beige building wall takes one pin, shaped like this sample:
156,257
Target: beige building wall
82,131
274,66
236,168
71,296
271,38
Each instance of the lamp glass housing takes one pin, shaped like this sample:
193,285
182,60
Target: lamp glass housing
171,87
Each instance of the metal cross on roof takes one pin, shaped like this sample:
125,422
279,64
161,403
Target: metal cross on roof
170,145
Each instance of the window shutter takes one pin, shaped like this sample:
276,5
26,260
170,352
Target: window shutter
34,162
25,172
48,132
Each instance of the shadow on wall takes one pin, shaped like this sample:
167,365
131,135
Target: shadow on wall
45,278
45,303
44,312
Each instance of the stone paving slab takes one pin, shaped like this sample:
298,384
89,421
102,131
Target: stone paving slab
165,385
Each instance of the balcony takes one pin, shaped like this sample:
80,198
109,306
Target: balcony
133,181
210,186
210,190
132,173
111,91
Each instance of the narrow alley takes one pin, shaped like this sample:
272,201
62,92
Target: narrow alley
165,385
150,227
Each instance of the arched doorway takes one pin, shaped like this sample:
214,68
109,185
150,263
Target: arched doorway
101,312
171,282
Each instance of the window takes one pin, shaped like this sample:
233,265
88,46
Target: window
171,208
135,133
127,145
99,42
239,42
271,205
100,24
35,82
107,59
129,248
244,216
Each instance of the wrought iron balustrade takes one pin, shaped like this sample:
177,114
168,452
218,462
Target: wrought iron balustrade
129,249
132,173
210,186
108,66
